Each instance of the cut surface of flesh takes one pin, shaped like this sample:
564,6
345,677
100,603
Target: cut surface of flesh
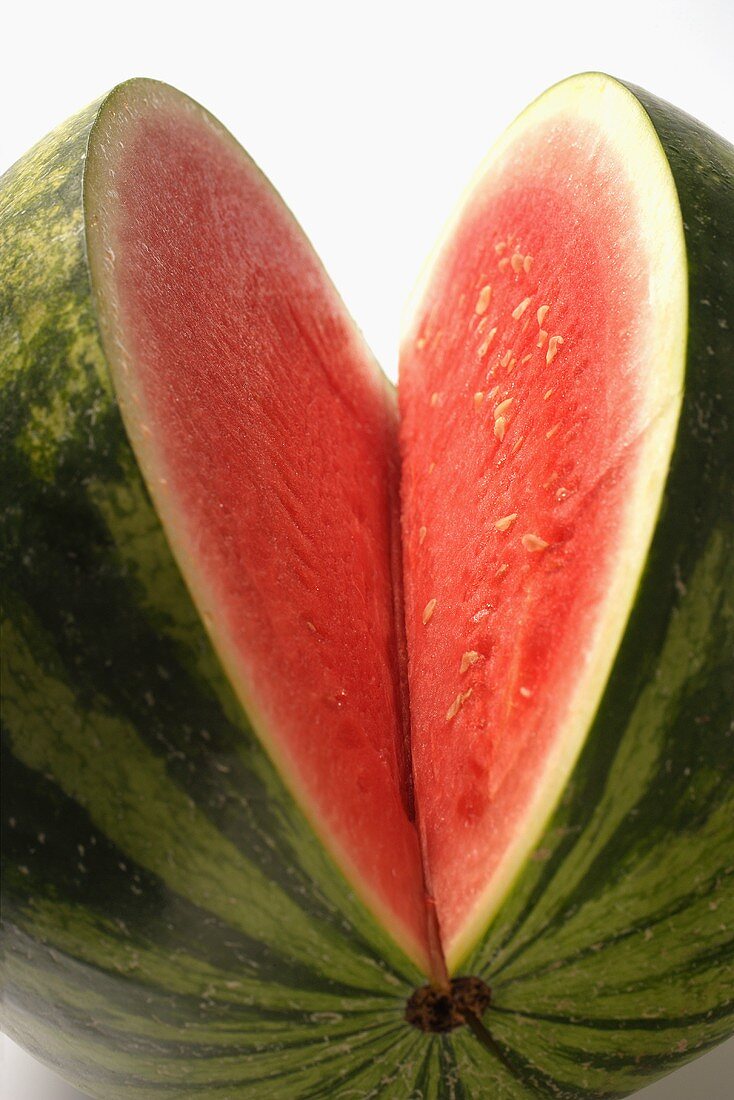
540,384
267,437
539,393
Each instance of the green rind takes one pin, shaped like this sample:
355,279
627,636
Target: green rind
201,943
177,924
612,962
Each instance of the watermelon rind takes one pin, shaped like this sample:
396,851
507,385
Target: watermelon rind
171,923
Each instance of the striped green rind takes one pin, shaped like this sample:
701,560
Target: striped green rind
612,962
171,923
170,920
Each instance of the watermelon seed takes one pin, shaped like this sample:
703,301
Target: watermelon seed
525,359
541,315
470,658
542,337
483,300
520,309
504,262
503,407
310,626
561,493
492,392
499,427
505,358
502,569
500,247
525,692
548,393
517,444
457,704
421,535
517,262
553,345
506,522
527,264
432,467
478,398
435,397
533,543
484,346
428,610
552,431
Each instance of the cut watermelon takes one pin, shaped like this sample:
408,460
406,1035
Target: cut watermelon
541,381
266,435
486,645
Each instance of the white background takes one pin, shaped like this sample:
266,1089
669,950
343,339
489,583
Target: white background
369,118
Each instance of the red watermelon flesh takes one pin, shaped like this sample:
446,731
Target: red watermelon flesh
267,435
525,397
269,441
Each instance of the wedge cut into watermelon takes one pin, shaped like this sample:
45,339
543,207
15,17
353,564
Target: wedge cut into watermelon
313,689
541,379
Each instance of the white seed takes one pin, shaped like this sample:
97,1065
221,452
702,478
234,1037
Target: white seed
552,431
428,610
470,658
511,366
525,692
548,393
527,264
484,346
478,398
504,262
517,262
420,342
553,345
422,532
500,247
502,569
434,399
525,359
533,543
561,493
483,300
506,522
457,704
503,406
517,444
541,315
520,309
542,337
499,427
506,358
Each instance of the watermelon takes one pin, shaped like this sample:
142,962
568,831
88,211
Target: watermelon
355,744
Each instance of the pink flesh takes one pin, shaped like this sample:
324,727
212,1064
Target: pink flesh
563,466
270,445
269,440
